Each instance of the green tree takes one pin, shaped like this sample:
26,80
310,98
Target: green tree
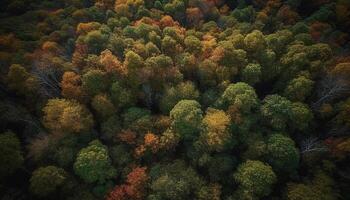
282,154
301,116
152,49
227,56
255,41
21,81
320,51
278,41
208,73
47,180
241,95
276,111
299,88
176,9
174,181
137,119
218,166
184,90
186,118
121,96
93,163
251,74
255,179
11,157
94,82
193,44
133,61
159,62
103,106
96,41
169,46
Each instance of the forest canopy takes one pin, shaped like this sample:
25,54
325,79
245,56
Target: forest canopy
175,99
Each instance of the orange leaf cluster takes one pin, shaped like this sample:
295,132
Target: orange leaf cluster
71,86
111,63
152,141
133,189
127,136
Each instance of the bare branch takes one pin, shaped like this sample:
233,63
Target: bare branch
48,80
312,145
331,87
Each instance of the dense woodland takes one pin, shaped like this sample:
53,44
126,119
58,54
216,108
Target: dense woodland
175,99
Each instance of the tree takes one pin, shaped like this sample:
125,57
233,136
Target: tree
103,106
151,141
159,62
255,179
341,70
111,63
230,57
67,115
215,129
176,9
321,187
210,192
93,163
341,119
218,166
295,60
134,188
208,73
276,111
251,74
71,86
47,180
133,61
246,14
270,69
184,90
299,88
255,41
11,157
138,119
168,140
20,80
300,191
186,118
241,95
282,154
320,51
169,46
174,181
152,49
121,96
193,16
96,41
94,82
193,44
104,4
85,28
300,116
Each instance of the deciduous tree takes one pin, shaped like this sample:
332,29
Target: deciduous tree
255,179
47,180
93,163
282,153
186,118
11,157
67,116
